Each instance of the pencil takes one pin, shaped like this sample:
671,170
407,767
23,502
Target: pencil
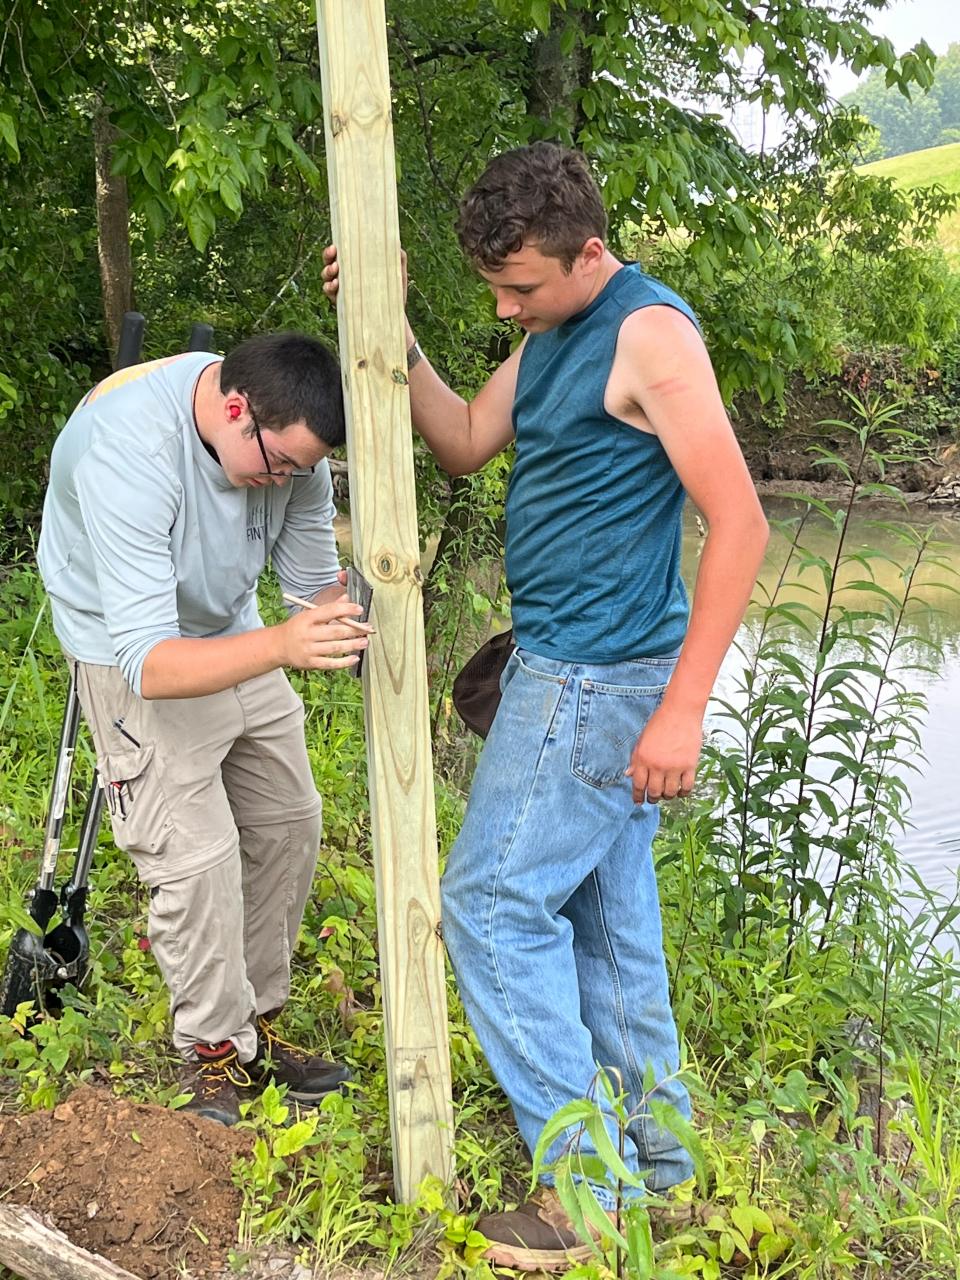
363,627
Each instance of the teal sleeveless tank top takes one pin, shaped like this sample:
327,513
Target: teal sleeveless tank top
594,505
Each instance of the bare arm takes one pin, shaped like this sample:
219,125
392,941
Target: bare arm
462,435
189,667
676,392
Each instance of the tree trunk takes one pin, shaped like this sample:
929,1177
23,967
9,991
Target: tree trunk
554,77
457,548
113,232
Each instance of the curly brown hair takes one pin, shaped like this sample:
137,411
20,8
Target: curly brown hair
543,194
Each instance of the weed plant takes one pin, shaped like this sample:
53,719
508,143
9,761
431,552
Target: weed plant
813,980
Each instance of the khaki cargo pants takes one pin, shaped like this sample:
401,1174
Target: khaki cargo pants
214,800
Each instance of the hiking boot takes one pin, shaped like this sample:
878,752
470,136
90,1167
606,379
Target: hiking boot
214,1080
308,1077
536,1236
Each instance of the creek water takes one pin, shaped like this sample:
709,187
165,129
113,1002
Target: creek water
931,840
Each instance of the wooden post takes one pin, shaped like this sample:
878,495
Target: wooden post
363,203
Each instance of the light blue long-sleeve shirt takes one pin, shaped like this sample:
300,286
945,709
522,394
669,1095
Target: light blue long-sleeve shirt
144,538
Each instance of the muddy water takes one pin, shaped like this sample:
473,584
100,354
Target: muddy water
931,842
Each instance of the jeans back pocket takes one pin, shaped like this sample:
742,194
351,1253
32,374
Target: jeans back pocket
610,719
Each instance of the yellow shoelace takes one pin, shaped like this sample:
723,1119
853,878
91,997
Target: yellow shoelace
271,1038
227,1068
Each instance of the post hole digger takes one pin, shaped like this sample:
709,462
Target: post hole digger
38,964
41,961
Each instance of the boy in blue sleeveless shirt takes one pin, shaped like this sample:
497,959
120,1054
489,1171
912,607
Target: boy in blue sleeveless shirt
550,908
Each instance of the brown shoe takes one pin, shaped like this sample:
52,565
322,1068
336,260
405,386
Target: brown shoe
536,1236
307,1076
214,1080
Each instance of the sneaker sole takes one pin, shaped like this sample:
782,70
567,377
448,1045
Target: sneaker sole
519,1259
216,1117
311,1099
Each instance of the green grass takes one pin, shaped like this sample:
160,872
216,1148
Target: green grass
939,165
803,1182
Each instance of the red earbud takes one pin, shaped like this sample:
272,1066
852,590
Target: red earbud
235,411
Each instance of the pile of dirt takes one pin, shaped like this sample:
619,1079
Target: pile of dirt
148,1188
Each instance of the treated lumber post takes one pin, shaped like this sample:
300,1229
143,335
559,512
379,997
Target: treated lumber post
363,203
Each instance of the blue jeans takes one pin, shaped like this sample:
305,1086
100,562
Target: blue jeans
550,908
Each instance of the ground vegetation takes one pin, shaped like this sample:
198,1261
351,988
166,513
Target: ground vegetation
816,995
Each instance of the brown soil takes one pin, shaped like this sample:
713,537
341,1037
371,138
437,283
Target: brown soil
782,457
781,463
148,1188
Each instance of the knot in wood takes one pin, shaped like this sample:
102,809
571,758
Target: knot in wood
337,123
399,377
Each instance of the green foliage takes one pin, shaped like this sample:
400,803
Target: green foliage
305,1183
813,773
209,109
934,1200
937,167
910,123
577,1174
41,1058
858,245
900,124
218,113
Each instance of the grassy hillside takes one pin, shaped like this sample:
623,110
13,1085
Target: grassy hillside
921,169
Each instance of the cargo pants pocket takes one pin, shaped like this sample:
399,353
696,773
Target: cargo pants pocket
135,800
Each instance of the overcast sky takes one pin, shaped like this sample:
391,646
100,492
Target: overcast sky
906,22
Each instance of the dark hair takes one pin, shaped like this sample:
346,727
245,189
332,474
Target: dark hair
288,378
544,194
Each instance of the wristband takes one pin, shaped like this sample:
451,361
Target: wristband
414,354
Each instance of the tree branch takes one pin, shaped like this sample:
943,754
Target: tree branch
424,116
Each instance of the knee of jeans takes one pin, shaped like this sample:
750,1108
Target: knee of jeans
459,913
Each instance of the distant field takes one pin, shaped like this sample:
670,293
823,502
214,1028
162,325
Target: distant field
921,169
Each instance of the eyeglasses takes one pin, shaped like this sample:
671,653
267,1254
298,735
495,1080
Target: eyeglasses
271,471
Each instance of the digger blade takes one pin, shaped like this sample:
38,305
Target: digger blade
30,971
38,968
